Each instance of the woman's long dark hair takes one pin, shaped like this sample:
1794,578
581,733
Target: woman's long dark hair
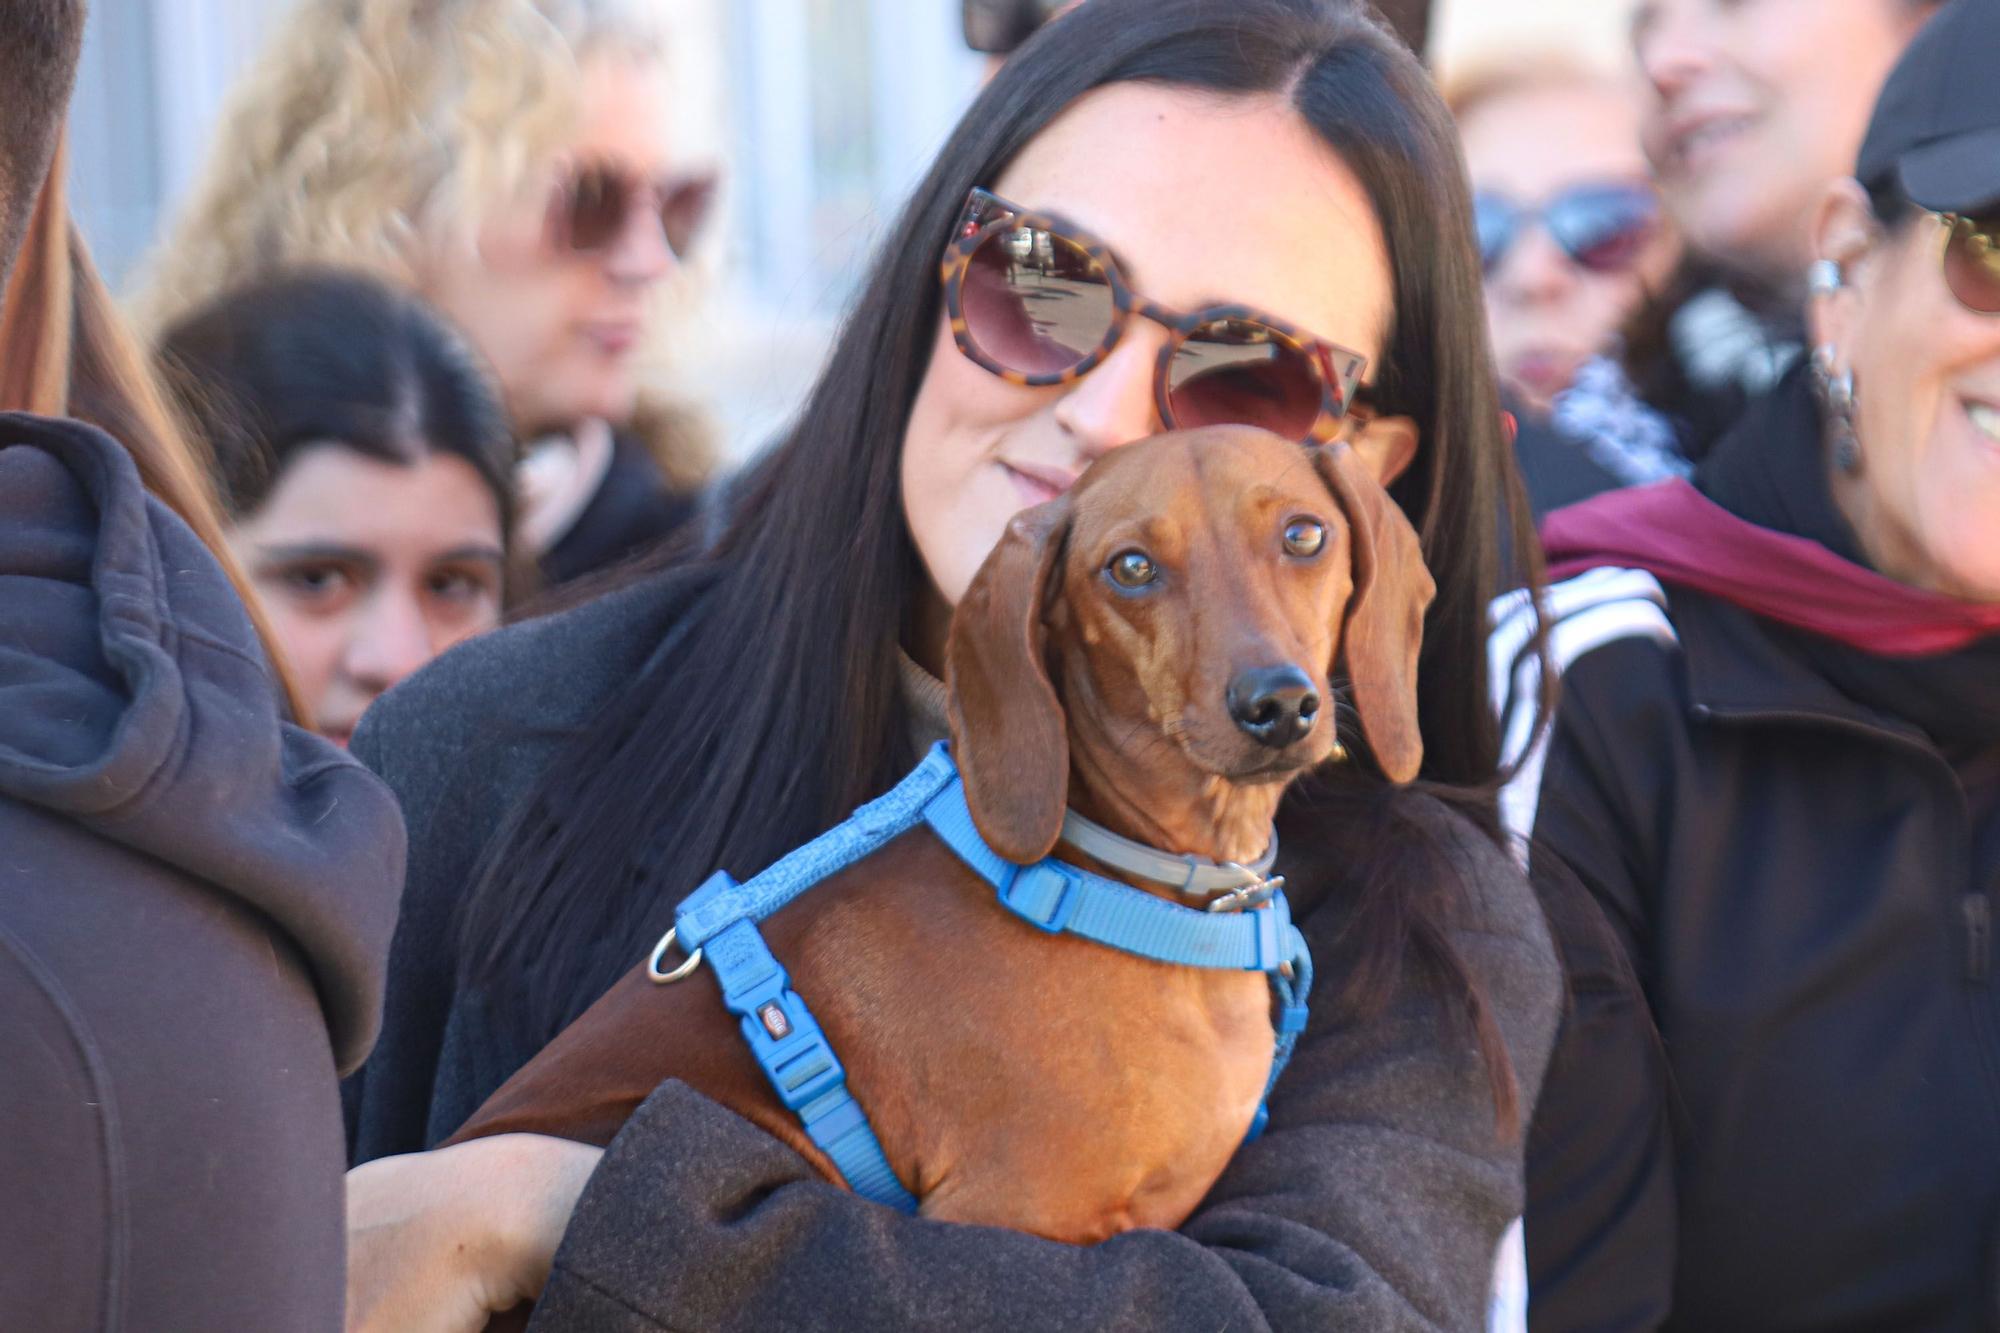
775,710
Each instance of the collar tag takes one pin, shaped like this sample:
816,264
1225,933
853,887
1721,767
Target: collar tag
1251,895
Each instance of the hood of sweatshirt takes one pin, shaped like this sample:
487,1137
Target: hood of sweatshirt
137,705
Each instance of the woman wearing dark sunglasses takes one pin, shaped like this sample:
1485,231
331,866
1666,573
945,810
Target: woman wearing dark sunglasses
1753,105
516,162
1160,212
1570,229
1777,769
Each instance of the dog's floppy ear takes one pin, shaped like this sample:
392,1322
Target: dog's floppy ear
1007,728
1385,615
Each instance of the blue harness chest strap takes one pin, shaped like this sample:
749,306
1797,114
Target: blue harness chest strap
720,900
796,1057
718,922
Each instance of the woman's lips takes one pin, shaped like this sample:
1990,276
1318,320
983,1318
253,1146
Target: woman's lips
1038,484
1985,420
1695,140
1544,372
614,338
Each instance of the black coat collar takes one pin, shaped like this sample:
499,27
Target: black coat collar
1771,470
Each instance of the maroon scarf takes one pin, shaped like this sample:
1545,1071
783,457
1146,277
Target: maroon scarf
1674,532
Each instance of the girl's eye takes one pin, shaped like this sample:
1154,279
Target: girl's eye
456,585
1303,537
316,583
1132,569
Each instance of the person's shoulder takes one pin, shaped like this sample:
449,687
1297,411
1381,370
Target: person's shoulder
1494,896
1613,643
41,492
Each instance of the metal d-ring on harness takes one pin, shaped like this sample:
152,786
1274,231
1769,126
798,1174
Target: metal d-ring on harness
1248,929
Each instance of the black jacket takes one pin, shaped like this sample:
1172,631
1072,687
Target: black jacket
1374,1201
633,508
1795,848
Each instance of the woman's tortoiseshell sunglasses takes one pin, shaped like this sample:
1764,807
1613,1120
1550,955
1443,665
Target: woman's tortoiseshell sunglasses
1039,302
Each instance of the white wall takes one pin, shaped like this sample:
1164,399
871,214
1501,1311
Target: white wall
1593,30
153,76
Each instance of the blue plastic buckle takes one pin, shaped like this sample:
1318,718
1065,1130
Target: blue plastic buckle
1259,1122
781,1032
1271,951
1042,895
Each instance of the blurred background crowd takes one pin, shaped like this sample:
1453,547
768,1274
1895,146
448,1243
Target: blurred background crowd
818,114
219,143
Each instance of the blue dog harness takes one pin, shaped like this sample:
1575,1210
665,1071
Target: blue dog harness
718,921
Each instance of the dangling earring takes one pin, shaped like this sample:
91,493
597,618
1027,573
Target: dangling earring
1835,392
1836,401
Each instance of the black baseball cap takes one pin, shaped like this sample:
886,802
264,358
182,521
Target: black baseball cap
996,27
1935,135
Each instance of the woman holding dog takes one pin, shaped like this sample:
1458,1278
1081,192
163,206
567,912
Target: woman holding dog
569,780
1777,768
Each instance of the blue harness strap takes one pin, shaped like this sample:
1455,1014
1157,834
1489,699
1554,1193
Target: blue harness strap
717,923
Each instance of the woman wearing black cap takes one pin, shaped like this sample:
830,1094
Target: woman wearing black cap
1777,770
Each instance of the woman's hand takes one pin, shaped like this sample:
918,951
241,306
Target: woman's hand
438,1242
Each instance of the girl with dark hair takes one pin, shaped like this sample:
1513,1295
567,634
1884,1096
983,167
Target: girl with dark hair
366,466
570,779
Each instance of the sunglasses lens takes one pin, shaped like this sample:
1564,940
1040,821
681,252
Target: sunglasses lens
1605,229
1972,264
596,202
1238,372
1495,221
1036,302
683,210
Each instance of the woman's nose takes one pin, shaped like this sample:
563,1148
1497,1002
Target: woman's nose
640,255
390,640
1676,48
1113,404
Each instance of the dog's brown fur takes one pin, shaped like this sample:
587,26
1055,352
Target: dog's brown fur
1044,1082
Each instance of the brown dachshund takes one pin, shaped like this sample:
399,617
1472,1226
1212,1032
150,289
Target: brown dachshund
1152,651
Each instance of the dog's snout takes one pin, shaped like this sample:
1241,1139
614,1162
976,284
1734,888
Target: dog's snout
1274,706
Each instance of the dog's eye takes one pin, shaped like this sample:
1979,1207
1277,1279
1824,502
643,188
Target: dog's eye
1132,569
1304,537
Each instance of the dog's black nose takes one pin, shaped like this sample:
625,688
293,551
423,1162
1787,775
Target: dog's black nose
1275,706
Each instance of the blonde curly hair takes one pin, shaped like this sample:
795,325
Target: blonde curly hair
373,131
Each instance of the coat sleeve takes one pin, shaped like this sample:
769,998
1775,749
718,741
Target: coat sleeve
1601,1219
1374,1202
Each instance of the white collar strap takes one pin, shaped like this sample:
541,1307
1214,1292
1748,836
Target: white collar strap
1195,876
